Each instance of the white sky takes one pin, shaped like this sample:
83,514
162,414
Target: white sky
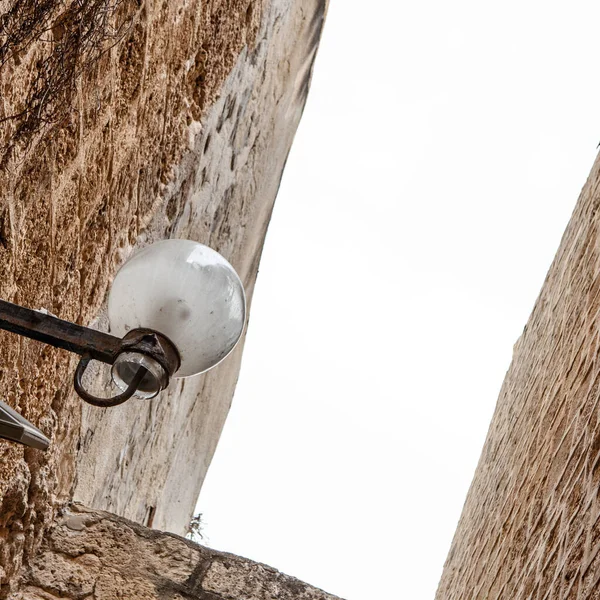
439,158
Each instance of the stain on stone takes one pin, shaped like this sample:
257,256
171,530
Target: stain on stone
150,517
75,522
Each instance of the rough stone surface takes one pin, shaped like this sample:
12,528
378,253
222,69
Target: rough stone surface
146,460
530,527
123,122
96,555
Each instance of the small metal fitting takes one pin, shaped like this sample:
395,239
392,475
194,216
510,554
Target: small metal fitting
143,362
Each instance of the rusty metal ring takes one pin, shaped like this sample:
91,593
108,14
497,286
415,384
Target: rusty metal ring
104,402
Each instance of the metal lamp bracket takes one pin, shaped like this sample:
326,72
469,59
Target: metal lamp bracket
90,344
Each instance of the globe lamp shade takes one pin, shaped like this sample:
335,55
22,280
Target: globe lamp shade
185,291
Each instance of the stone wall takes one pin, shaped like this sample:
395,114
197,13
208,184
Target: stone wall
93,554
530,527
123,122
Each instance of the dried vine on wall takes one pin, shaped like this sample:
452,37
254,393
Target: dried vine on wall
74,36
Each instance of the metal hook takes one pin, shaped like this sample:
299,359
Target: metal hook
105,402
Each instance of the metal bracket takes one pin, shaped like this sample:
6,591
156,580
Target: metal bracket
90,344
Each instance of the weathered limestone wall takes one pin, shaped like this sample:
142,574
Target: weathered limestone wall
93,554
530,527
123,122
148,459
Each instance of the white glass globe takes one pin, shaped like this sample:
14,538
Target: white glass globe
186,291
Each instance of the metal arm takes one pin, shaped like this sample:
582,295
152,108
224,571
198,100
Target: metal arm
56,332
90,344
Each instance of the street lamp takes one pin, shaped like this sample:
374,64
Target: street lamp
176,308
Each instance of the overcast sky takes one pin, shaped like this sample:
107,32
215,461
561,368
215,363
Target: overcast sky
439,158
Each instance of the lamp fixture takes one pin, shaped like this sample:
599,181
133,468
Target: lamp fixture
176,308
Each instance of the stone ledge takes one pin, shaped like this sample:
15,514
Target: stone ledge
97,555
